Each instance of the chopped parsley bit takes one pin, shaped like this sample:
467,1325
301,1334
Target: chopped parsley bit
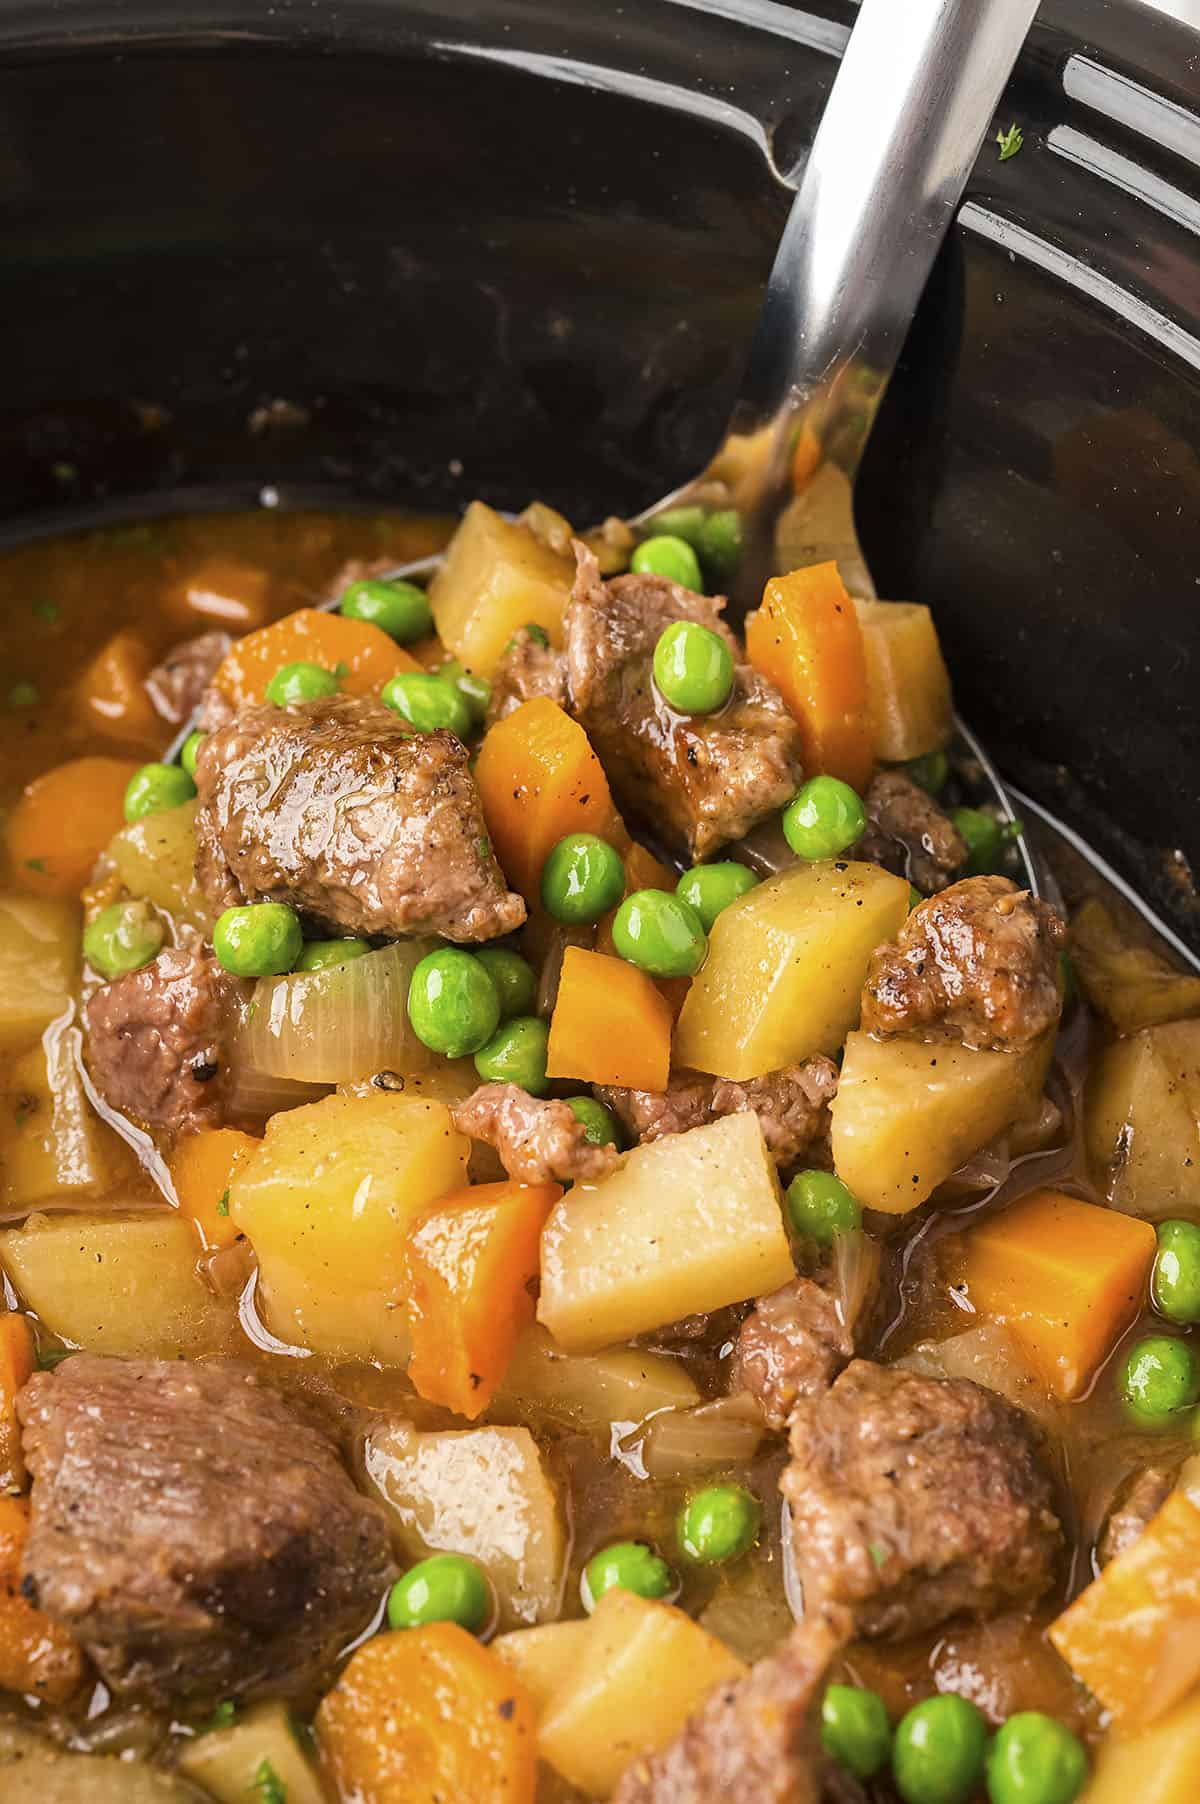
24,695
1010,142
483,847
49,1357
268,1785
46,610
26,1107
223,1205
251,1012
341,668
35,864
224,1714
878,1553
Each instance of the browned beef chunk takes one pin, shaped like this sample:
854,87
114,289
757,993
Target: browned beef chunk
979,963
908,833
156,1040
792,1105
177,685
339,808
793,1344
538,1142
756,1740
914,1498
1142,1501
529,667
355,570
701,780
196,1533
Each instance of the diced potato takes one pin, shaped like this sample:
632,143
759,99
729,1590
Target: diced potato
1142,1121
542,1657
496,578
785,968
156,858
688,1223
228,1762
907,1112
1161,1765
35,1770
120,1284
39,958
641,1671
325,1203
1131,985
57,1143
593,1391
483,1492
907,681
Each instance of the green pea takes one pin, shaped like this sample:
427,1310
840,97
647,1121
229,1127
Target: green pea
662,934
855,1729
582,879
1035,1760
189,749
452,1003
300,682
938,1751
824,818
1175,1278
320,955
447,1587
719,1524
515,980
476,691
666,555
627,1566
599,1124
262,939
427,702
155,788
516,1054
123,937
693,668
681,523
399,609
984,839
719,542
930,771
1159,1377
710,888
821,1206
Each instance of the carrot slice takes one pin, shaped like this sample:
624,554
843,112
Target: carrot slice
423,1716
611,1025
111,695
63,822
202,1169
806,639
469,1264
16,1368
311,636
37,1655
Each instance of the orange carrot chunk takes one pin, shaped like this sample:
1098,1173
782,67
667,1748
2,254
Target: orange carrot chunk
111,695
37,1656
611,1025
63,821
311,636
202,1169
16,1368
806,639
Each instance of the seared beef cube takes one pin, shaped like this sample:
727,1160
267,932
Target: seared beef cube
338,808
792,1105
979,963
701,780
793,1344
537,1142
914,1498
156,1041
530,667
176,686
907,833
196,1533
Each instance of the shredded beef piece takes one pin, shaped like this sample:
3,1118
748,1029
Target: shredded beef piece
1141,1503
528,668
702,780
354,570
177,685
979,963
793,1344
339,808
155,1040
538,1142
907,833
914,1498
196,1532
215,710
792,1105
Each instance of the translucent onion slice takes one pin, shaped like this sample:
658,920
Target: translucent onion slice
680,1442
330,1026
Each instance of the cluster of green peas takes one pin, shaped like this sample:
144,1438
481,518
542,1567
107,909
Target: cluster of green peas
1159,1377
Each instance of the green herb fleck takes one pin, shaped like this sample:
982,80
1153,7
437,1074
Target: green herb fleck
224,1714
268,1785
483,847
223,1205
341,669
49,1357
35,864
26,1106
878,1553
46,610
24,695
1010,142
64,472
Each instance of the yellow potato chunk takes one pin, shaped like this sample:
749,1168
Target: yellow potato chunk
908,686
687,1223
624,1384
496,578
156,858
39,957
785,968
1142,1121
642,1669
53,1141
325,1203
483,1492
227,1762
907,1112
1161,1765
120,1284
542,1657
